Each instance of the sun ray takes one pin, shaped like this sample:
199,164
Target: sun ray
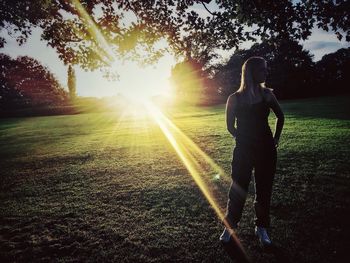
112,134
187,150
195,147
106,50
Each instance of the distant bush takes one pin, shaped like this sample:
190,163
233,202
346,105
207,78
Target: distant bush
81,105
40,111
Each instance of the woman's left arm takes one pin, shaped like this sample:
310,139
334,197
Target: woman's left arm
230,115
276,108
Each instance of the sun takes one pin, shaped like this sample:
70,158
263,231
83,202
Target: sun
145,83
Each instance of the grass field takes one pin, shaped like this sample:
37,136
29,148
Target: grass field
111,187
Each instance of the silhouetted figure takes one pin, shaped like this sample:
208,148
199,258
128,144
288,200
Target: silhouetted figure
247,112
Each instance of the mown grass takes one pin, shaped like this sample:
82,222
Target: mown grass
109,187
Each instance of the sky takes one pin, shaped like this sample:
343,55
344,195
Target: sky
154,80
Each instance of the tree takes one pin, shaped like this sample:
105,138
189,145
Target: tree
228,75
333,72
94,33
10,97
291,70
71,83
193,83
26,83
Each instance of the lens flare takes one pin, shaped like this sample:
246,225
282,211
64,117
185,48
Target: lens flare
189,153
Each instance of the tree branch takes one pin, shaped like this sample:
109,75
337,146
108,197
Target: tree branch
207,9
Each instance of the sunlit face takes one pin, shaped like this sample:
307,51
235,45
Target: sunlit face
260,72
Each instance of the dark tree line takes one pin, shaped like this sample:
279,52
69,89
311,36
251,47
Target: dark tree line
291,70
25,83
292,73
333,72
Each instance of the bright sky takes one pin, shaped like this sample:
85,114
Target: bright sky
152,80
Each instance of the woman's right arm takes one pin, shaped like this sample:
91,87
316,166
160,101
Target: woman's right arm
230,114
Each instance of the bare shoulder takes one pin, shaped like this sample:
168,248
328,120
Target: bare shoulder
232,99
268,94
231,104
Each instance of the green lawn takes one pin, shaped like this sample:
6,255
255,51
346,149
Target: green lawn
110,187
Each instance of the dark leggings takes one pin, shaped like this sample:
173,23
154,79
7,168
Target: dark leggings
261,157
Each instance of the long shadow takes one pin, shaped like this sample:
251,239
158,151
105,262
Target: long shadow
281,254
235,253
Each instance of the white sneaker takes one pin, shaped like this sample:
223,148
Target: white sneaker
225,236
261,233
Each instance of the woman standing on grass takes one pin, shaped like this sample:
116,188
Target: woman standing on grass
247,112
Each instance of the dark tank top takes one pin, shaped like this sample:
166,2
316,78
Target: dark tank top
252,122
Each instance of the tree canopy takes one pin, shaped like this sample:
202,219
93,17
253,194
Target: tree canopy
24,82
94,33
333,72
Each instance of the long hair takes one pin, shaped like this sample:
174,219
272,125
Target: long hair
247,79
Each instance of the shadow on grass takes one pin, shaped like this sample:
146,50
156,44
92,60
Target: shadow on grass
235,253
280,254
336,107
